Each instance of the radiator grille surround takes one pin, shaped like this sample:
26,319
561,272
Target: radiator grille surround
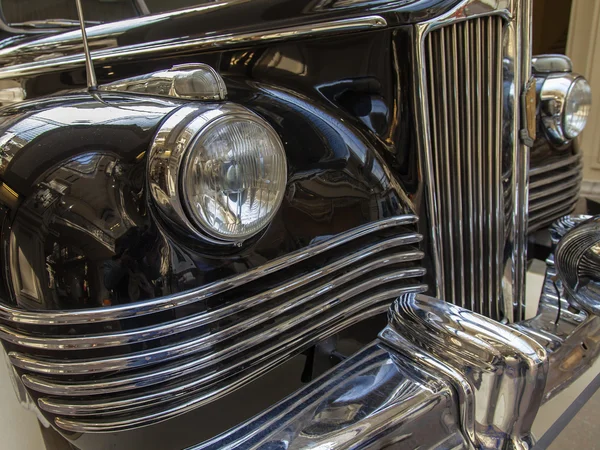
465,105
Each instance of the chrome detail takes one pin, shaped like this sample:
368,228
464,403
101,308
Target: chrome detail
207,42
563,225
187,81
169,151
577,260
553,190
176,398
471,81
210,351
92,84
485,361
542,64
83,316
553,95
391,398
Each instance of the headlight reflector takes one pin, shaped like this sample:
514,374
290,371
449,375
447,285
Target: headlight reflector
217,172
577,108
234,177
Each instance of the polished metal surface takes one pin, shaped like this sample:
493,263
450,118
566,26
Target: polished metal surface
211,41
544,64
577,262
474,165
188,81
375,399
499,372
199,357
553,96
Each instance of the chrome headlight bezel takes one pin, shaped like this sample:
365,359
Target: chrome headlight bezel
554,94
168,164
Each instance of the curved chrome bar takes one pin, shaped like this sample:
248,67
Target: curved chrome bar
82,316
375,399
499,372
577,262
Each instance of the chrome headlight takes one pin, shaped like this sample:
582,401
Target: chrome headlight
566,101
221,172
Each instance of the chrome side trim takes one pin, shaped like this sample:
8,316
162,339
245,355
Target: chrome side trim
210,42
182,399
192,346
50,342
81,316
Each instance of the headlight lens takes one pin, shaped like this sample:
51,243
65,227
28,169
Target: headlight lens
577,108
234,177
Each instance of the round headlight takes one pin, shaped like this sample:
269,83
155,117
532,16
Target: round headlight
577,108
566,100
234,177
218,171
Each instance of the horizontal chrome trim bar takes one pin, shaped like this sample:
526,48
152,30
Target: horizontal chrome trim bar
555,188
211,42
543,217
554,178
178,326
195,345
81,316
575,159
163,394
128,420
539,204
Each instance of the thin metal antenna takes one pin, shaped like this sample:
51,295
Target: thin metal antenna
89,66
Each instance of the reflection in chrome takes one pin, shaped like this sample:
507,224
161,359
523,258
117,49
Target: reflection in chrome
208,42
166,303
477,47
577,262
187,81
376,397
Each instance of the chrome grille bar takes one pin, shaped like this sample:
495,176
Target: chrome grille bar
465,115
114,377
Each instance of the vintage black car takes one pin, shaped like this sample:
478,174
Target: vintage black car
287,224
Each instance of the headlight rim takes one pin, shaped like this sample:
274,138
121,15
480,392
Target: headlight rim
169,151
554,92
184,166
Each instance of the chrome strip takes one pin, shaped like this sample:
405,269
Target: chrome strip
80,316
195,345
535,171
211,42
94,341
164,394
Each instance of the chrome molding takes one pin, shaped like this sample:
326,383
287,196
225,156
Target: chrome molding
456,252
186,81
209,42
577,262
210,351
83,316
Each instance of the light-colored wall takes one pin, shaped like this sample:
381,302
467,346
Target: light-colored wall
583,47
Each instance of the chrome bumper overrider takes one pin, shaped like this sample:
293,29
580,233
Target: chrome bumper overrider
439,376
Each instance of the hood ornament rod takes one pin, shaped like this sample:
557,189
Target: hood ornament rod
89,66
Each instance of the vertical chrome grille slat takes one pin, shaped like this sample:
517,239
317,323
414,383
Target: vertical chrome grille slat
465,107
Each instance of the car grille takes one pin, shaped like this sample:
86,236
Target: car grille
126,366
553,190
472,202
